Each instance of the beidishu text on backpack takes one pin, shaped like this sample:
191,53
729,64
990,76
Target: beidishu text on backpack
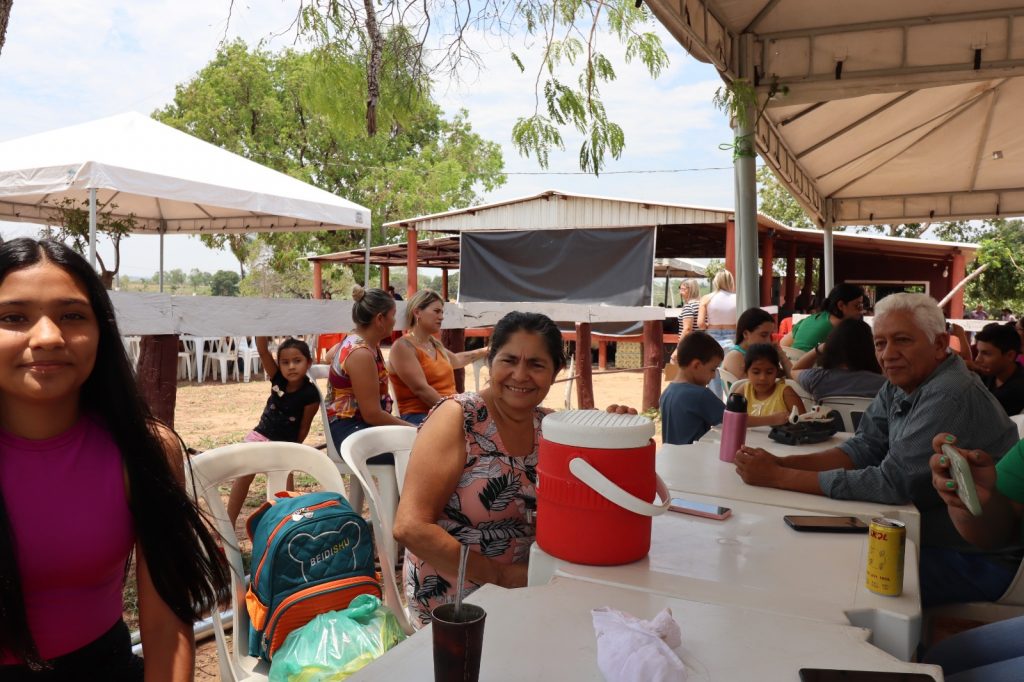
310,554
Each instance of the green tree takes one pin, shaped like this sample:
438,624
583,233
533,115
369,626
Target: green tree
197,278
773,199
73,227
224,283
5,15
423,42
293,112
1002,283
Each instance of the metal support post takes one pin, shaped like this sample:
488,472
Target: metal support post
92,227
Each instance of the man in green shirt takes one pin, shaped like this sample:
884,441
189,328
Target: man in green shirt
994,651
844,301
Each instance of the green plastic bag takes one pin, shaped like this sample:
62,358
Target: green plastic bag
336,644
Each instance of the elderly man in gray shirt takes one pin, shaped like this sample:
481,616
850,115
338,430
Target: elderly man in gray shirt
928,390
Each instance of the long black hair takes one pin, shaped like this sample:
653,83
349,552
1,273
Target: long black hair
751,319
184,561
844,292
851,345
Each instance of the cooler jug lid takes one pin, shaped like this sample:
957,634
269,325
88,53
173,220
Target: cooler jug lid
597,429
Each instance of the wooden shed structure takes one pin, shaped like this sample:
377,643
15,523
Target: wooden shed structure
683,231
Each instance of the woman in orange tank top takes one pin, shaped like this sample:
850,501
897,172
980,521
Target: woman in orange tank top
422,370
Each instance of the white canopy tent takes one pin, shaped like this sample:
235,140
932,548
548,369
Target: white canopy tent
875,111
167,180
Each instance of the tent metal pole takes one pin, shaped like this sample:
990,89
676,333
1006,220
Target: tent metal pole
828,261
92,227
161,261
746,211
666,288
366,269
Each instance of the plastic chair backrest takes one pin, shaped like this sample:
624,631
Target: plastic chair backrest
851,407
793,354
738,384
1018,419
355,451
802,392
214,467
728,378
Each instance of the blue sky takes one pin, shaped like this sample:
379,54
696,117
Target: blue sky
69,62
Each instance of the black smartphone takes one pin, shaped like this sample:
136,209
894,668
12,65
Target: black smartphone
827,675
826,524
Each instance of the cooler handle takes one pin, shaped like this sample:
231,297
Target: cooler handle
609,490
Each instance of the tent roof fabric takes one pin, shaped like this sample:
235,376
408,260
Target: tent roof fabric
877,111
164,178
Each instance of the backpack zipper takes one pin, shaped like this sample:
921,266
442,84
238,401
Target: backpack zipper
306,512
345,584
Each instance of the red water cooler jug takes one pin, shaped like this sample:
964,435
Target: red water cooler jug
595,475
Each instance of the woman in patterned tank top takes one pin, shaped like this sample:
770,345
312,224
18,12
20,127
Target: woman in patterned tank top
472,472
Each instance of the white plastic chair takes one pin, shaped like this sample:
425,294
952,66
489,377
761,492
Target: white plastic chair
802,392
851,407
185,361
569,378
220,358
477,366
793,354
250,357
214,467
728,379
1018,419
382,494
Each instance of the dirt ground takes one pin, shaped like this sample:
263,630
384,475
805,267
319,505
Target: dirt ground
212,414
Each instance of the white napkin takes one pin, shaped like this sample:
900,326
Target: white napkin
634,650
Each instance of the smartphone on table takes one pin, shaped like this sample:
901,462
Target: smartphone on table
707,511
826,524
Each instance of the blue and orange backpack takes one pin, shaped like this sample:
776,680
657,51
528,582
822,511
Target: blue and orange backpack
310,554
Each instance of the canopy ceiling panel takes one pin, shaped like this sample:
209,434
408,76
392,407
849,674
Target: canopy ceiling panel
876,110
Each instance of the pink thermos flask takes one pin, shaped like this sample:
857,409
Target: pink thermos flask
734,427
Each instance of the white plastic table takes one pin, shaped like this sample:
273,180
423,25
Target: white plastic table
757,437
754,560
545,633
696,469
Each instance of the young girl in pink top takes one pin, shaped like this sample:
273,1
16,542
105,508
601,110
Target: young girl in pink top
87,480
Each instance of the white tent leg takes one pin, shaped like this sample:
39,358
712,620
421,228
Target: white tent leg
366,270
747,293
829,260
92,227
161,262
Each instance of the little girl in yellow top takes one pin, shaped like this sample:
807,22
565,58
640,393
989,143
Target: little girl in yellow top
769,399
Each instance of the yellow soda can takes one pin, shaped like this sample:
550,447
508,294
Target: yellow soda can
887,540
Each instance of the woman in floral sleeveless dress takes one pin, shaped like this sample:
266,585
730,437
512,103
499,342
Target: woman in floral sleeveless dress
472,472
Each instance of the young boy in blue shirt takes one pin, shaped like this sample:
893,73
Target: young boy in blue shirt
688,408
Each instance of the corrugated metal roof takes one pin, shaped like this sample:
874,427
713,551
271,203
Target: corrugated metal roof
555,210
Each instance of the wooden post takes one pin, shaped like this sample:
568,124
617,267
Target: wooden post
791,276
730,246
653,355
767,272
455,341
584,369
318,280
956,274
157,375
602,355
444,284
385,277
412,261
